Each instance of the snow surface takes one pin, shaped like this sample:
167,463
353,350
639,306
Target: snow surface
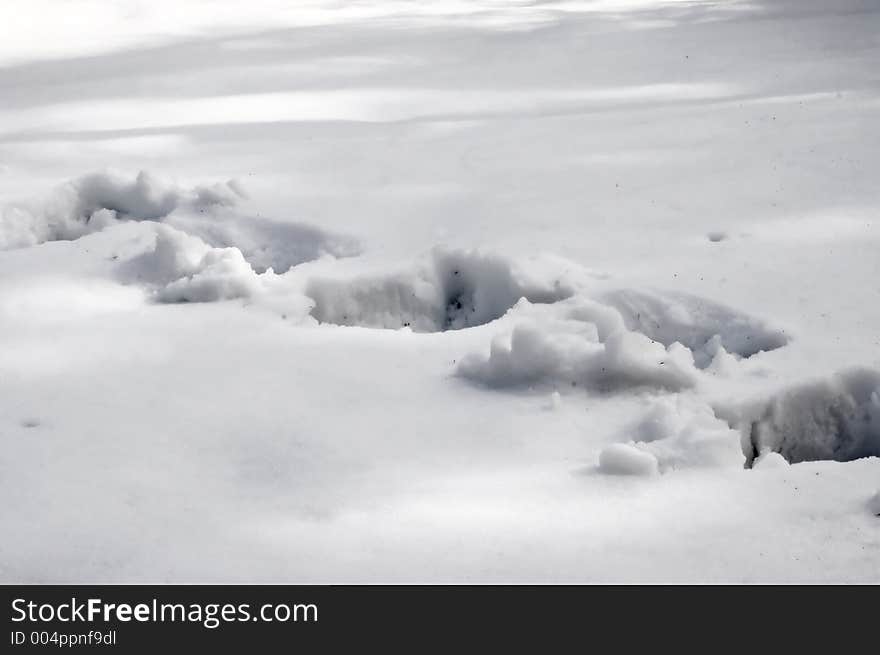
409,292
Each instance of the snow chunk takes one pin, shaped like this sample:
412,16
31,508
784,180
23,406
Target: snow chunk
222,274
573,352
632,359
680,432
531,355
627,459
186,269
176,254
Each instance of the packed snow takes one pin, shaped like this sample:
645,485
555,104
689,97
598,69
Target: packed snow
440,292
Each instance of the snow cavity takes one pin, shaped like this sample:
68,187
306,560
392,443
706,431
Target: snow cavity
451,290
834,419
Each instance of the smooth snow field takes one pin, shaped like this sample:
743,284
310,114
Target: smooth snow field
497,291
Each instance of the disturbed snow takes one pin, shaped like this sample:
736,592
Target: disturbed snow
524,332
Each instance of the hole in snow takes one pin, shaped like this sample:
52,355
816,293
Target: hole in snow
453,290
836,419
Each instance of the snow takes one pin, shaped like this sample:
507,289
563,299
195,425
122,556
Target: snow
682,432
452,290
770,460
221,274
626,459
874,504
439,292
703,326
96,200
833,419
570,352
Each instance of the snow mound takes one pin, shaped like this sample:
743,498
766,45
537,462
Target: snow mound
146,197
531,355
834,419
628,339
183,268
700,324
682,432
97,200
451,290
94,201
590,347
678,432
222,274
